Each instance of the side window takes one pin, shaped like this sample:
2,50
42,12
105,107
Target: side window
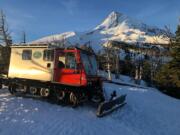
70,61
48,55
27,54
61,60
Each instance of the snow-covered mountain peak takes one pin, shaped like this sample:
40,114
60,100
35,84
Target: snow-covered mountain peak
116,27
116,19
111,21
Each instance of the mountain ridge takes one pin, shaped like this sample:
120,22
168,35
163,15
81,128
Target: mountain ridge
116,26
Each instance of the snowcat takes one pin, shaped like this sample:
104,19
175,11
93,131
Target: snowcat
65,75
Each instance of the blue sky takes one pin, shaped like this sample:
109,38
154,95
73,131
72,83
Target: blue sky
45,17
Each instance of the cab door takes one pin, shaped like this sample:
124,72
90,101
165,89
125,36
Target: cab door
59,64
66,71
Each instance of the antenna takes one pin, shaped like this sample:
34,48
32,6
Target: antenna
24,37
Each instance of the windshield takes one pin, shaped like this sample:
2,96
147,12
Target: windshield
90,64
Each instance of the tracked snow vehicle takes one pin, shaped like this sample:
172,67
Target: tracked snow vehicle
65,75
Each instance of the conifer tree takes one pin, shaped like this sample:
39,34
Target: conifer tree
176,49
169,76
5,40
5,37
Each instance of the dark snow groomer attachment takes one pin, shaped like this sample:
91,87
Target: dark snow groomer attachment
113,104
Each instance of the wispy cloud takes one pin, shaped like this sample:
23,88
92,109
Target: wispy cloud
17,21
71,6
160,15
150,11
17,18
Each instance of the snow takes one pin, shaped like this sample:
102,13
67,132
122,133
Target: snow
123,79
148,112
71,36
117,27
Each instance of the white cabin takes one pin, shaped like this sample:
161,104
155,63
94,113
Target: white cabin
31,62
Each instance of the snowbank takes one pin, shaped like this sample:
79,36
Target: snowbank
148,112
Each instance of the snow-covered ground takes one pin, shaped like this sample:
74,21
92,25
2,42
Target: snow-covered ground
122,79
148,112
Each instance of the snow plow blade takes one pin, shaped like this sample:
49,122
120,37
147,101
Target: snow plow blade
109,106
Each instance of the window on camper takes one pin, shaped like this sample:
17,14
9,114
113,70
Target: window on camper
48,55
27,54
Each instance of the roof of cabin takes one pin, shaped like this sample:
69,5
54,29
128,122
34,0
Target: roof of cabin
47,46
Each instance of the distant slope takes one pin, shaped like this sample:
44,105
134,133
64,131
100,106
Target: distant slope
116,26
